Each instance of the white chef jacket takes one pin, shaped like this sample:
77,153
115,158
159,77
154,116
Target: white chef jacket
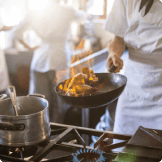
51,25
141,101
4,77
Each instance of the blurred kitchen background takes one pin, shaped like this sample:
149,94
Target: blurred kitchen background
84,36
88,41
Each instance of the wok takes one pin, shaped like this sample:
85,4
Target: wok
113,86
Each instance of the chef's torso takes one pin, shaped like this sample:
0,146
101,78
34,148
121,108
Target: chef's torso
51,25
144,32
139,32
141,101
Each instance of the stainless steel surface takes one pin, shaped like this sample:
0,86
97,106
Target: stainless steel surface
85,123
2,96
33,114
7,124
36,95
12,93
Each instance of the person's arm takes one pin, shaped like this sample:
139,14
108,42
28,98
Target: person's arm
24,26
6,28
117,23
116,48
27,46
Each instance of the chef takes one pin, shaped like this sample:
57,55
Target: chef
51,24
140,29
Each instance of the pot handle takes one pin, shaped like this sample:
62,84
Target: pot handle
10,126
6,125
2,96
36,95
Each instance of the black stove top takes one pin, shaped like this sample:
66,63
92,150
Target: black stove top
67,145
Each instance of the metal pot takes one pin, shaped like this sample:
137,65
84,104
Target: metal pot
32,124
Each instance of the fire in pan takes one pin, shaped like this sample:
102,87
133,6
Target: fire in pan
109,87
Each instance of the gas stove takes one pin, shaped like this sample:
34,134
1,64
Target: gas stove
67,145
64,145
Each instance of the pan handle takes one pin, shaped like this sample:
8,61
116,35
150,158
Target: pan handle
112,68
2,96
36,95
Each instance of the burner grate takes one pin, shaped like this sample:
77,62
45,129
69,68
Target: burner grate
58,141
18,152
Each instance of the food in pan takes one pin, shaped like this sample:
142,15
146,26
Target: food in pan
82,84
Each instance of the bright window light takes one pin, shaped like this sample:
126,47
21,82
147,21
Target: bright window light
38,5
12,12
70,2
97,8
109,6
62,3
11,18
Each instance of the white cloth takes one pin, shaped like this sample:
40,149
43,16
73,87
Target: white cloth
1,25
51,25
141,101
4,78
142,33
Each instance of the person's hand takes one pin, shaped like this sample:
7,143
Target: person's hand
27,46
6,28
116,60
34,48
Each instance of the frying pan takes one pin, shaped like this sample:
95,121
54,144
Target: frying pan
113,86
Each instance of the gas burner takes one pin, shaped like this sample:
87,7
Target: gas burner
87,155
18,152
51,149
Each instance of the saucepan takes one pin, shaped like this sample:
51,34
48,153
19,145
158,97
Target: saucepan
30,126
113,86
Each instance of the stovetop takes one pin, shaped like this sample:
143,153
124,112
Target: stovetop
67,145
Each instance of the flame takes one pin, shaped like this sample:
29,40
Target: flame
61,87
61,75
90,78
89,155
81,44
84,83
75,58
74,70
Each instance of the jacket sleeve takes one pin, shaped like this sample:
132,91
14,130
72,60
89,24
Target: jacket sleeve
1,23
116,21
